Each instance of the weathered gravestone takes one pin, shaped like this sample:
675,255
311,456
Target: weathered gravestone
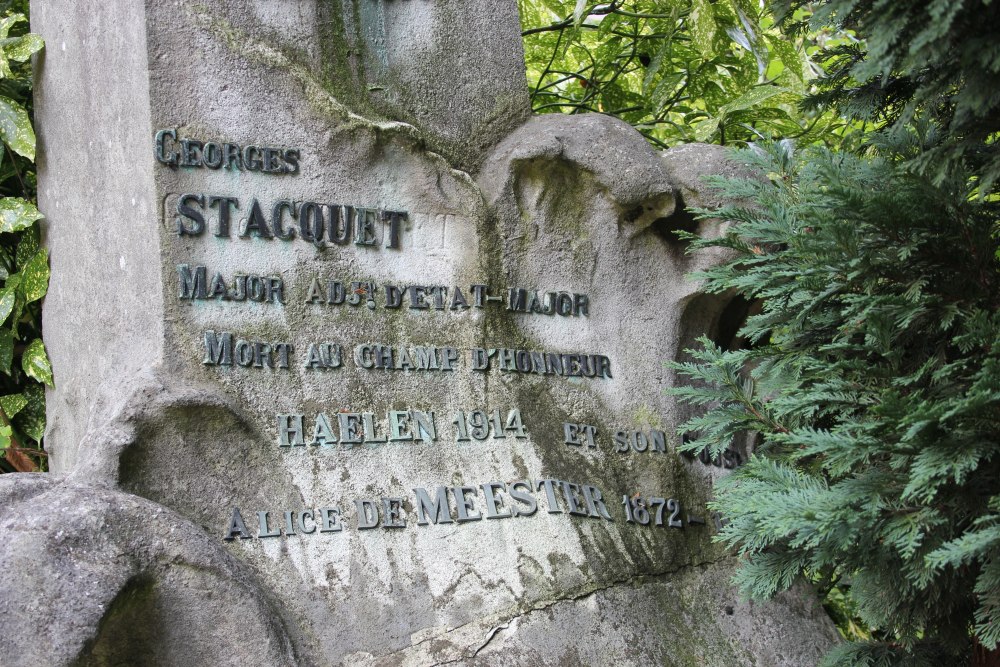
355,362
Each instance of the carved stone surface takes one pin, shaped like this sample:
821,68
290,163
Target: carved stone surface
108,578
182,411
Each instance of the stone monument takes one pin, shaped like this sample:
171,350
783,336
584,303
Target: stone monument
356,361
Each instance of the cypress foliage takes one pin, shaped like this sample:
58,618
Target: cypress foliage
872,371
873,379
936,58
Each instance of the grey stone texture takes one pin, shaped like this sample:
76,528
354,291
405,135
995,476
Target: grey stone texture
688,165
402,105
97,186
100,577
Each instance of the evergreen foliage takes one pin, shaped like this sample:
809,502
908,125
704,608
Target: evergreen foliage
936,58
873,377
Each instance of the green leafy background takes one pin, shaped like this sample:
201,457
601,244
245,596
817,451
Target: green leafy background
677,70
24,265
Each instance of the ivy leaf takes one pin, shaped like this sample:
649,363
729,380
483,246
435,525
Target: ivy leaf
5,25
702,27
747,7
654,66
788,56
15,127
752,98
7,297
13,282
27,245
608,23
36,363
16,214
31,420
5,433
22,48
35,277
8,22
665,89
705,129
6,349
12,404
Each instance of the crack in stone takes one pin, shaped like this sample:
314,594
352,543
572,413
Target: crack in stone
489,637
546,604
